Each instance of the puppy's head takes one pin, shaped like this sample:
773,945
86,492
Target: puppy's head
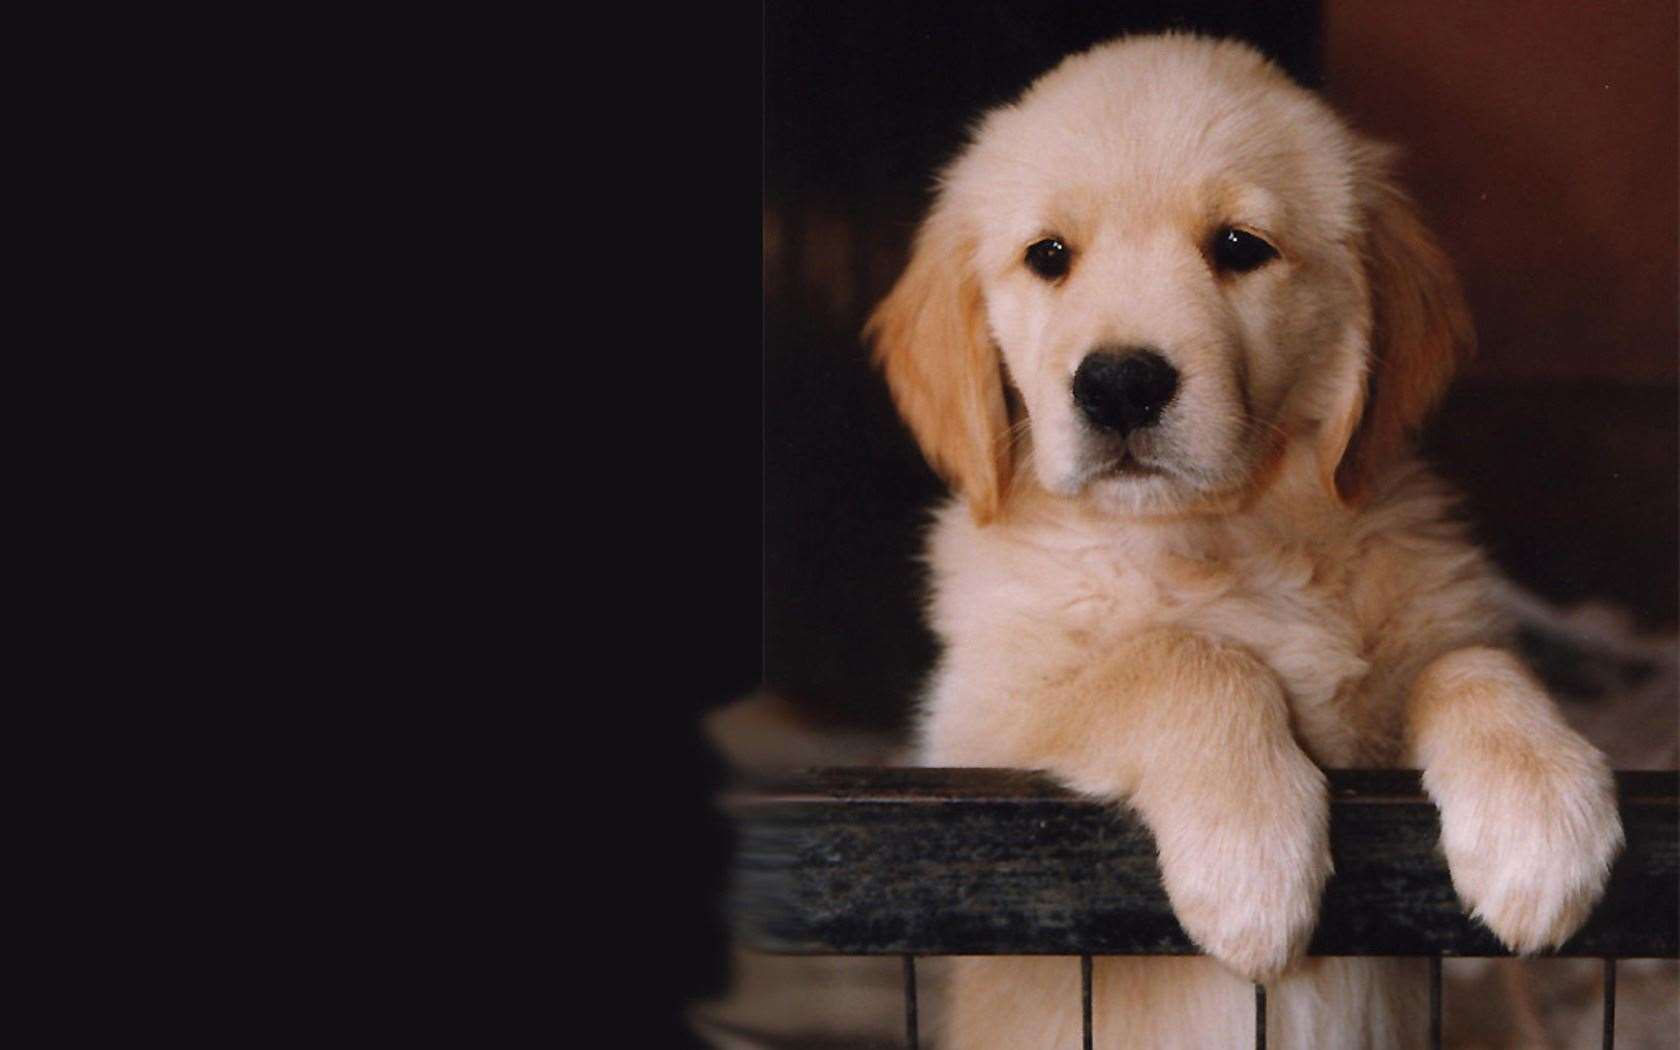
1175,261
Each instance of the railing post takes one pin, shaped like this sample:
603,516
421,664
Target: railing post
911,1036
1085,997
1609,1004
1434,1002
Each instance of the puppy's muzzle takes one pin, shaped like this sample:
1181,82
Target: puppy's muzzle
1124,390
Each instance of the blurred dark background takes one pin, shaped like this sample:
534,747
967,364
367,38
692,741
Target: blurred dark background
1541,140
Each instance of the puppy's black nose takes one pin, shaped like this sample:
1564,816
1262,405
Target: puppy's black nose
1125,389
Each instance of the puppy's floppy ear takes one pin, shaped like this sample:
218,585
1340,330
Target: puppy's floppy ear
1420,331
932,342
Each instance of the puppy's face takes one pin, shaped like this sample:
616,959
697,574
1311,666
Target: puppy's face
1157,307
1166,247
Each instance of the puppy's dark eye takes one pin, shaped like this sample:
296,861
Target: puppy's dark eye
1048,258
1240,251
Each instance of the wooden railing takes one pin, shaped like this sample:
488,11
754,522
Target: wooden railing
914,862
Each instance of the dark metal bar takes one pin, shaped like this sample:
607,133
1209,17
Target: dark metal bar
982,862
1434,1002
1085,996
1609,1004
1259,1017
911,1036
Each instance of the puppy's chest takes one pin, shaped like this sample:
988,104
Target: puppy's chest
1290,608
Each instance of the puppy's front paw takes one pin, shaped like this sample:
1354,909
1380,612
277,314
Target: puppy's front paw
1529,832
1245,864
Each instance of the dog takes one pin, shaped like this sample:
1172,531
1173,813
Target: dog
1168,330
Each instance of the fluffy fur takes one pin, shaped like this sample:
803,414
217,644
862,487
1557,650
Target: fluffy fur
1275,585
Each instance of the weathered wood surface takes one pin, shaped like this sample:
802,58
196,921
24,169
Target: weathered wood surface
986,861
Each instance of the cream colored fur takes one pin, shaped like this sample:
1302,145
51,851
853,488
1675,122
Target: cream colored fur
1285,590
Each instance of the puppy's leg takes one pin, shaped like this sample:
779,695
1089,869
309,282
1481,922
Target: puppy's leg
1195,734
1528,808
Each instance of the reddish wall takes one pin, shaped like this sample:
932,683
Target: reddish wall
1542,140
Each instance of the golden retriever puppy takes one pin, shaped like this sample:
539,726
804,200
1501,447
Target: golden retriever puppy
1168,330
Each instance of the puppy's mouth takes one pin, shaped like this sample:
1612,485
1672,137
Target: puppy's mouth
1128,465
1121,465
